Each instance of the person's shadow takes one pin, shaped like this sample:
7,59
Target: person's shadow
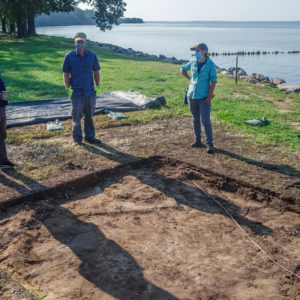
182,193
13,176
103,262
282,169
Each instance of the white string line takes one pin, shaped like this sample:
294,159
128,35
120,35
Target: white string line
259,247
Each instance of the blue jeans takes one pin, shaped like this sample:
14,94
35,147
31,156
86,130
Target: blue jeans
83,106
201,112
3,154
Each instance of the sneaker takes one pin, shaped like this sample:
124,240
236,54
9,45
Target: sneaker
7,165
197,144
210,149
93,141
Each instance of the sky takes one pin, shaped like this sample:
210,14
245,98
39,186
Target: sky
213,10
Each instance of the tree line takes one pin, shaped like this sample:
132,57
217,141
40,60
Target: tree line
76,17
18,16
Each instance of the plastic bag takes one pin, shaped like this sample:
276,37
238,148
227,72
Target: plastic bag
54,125
258,122
116,115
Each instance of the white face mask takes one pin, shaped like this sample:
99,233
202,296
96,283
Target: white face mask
80,46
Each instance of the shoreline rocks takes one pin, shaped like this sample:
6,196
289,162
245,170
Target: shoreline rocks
254,78
131,52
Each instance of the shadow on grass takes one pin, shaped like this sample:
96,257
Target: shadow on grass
12,176
282,169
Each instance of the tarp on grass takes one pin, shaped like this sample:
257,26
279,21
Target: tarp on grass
40,111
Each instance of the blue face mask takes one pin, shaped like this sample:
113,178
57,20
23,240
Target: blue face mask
80,46
198,55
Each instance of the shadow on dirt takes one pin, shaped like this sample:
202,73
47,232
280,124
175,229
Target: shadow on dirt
182,193
103,262
282,169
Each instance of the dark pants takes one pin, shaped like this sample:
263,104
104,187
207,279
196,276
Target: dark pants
201,111
3,154
83,106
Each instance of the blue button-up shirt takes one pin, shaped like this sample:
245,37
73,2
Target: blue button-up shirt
81,69
2,88
2,85
200,82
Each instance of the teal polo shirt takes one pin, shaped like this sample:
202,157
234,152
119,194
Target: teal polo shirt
200,82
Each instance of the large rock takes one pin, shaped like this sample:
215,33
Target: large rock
252,79
224,72
276,81
289,88
240,72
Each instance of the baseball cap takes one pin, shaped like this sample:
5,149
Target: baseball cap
80,36
200,46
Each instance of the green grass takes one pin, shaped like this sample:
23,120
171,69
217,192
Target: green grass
31,69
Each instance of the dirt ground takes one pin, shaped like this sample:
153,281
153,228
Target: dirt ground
151,232
152,229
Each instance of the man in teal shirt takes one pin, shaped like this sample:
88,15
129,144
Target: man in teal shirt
202,80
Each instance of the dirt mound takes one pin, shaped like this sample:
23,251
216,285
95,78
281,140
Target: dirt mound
147,231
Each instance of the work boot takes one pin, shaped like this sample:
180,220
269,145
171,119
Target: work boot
196,144
7,165
210,149
92,141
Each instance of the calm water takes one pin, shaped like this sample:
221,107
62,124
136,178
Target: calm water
175,39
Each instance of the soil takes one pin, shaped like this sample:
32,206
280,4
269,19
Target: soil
155,229
108,223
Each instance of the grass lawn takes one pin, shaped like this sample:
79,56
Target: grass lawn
31,69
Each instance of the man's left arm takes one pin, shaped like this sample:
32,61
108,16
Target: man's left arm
97,78
96,68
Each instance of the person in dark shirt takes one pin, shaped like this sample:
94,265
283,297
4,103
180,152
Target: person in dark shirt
4,162
81,70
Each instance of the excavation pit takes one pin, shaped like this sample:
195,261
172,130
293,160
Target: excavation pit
153,229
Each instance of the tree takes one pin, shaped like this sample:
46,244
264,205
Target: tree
23,12
107,12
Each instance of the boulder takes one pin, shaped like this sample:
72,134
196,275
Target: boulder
289,88
224,72
252,79
240,71
244,78
220,70
276,81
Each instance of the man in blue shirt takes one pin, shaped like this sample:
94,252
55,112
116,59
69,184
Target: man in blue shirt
4,162
81,69
202,80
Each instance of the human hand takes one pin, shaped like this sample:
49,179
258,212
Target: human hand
97,89
208,101
70,92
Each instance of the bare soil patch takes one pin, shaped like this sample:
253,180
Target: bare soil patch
146,230
296,125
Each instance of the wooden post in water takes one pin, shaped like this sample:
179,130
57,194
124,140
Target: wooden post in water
236,69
